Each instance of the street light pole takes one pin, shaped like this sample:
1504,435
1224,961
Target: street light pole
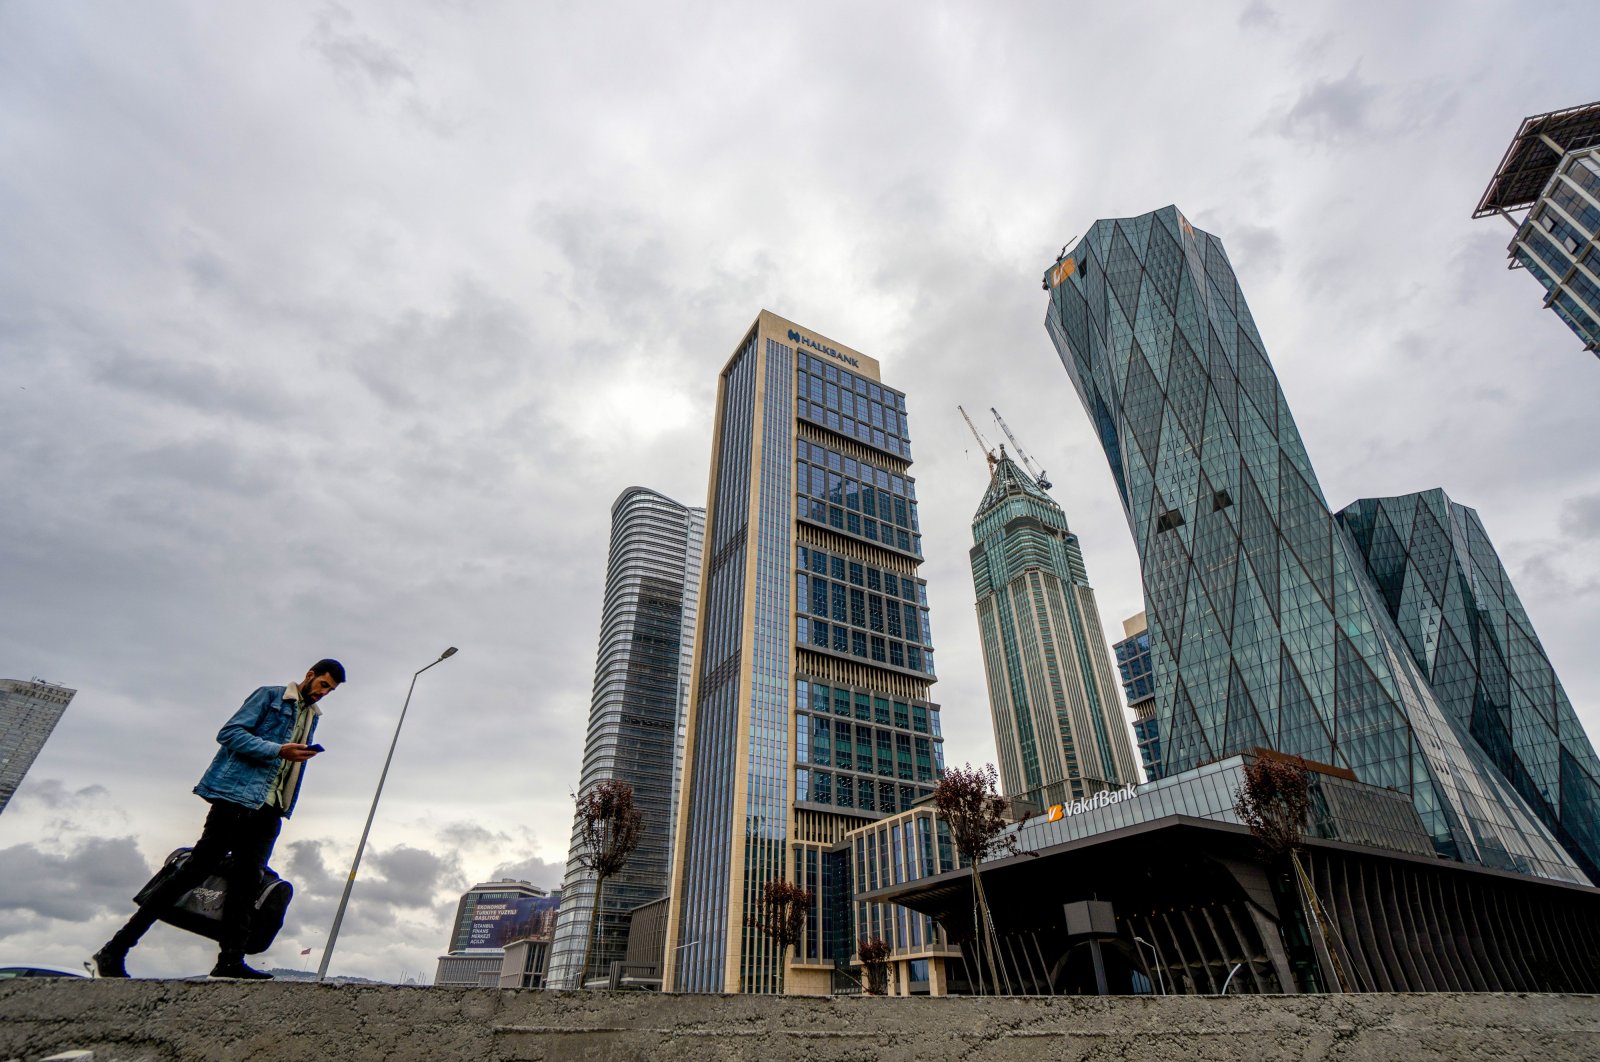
1160,969
344,901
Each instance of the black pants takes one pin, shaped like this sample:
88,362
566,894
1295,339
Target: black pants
234,830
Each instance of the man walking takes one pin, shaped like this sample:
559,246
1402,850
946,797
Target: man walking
251,785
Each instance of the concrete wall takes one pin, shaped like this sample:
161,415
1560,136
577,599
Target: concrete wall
175,1021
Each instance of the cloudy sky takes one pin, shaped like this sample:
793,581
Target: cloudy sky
335,329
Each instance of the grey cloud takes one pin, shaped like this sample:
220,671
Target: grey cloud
411,876
307,870
198,386
357,55
1329,111
54,794
533,870
96,874
1580,517
1259,15
1262,246
464,834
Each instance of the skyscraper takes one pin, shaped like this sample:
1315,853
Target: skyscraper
29,711
1444,585
635,717
1058,720
1133,663
1552,171
1264,628
809,713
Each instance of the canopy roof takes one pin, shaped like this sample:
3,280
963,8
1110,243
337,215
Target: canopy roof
1530,160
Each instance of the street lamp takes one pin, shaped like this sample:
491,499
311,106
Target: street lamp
344,901
1161,971
1236,968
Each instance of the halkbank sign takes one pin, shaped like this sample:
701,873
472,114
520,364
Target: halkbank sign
821,348
1099,800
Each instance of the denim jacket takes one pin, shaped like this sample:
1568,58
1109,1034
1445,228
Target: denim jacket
245,767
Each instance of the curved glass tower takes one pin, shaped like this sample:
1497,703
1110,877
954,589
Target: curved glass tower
1265,629
635,716
1058,720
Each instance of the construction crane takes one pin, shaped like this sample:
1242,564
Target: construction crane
1038,474
988,451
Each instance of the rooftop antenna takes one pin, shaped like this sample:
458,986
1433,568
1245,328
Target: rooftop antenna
988,451
1037,473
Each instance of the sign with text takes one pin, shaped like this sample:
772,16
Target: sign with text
497,922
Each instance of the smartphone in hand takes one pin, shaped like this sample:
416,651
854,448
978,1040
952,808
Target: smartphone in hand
316,748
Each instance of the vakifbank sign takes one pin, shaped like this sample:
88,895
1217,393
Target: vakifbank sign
1099,800
823,348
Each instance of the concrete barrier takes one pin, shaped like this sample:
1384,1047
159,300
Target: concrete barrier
178,1021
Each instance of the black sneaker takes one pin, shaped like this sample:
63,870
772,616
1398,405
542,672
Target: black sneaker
108,962
236,970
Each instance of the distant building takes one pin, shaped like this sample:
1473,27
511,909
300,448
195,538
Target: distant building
1466,628
636,718
1138,684
29,711
491,916
1265,629
810,713
1059,728
1552,171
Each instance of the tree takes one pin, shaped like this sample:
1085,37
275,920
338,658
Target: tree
1275,802
782,917
968,800
609,832
874,955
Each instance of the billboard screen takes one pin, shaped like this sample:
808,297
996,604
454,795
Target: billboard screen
497,922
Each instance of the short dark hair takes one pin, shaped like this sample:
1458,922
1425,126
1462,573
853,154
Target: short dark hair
330,667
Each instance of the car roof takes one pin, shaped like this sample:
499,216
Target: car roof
37,969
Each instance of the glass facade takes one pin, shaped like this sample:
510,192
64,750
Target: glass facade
29,712
1450,596
1556,244
1059,726
893,851
635,717
1265,630
1139,685
810,714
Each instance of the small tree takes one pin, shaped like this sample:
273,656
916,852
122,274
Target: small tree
968,800
874,955
609,827
782,917
1275,802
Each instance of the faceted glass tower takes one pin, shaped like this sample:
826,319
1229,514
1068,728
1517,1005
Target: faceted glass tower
1552,171
29,712
809,714
635,717
1058,719
1264,628
1443,583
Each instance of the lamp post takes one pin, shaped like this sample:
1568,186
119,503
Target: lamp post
344,901
1236,968
1161,971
